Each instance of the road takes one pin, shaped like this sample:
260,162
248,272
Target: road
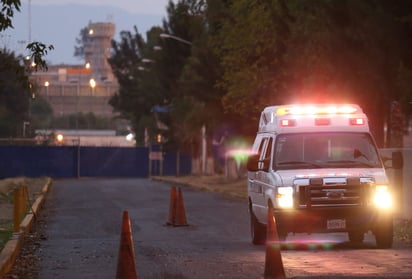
84,218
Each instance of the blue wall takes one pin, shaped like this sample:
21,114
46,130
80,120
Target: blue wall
71,161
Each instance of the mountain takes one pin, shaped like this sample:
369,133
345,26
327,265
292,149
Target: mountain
60,25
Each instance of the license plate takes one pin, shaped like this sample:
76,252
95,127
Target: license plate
334,224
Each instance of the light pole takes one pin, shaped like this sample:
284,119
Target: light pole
168,36
86,67
92,83
46,84
203,129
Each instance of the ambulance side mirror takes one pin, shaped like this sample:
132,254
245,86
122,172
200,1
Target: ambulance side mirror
254,164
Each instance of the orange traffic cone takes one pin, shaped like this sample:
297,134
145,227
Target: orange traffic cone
180,218
177,214
126,268
172,206
273,260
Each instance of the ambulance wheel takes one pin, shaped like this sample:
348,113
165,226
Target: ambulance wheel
257,230
356,236
384,234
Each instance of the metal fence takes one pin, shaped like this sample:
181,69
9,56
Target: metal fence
86,161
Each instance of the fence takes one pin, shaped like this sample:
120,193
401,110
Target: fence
83,161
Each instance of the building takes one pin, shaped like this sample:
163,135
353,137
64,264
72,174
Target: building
71,89
97,49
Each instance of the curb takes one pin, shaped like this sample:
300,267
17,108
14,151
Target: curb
12,248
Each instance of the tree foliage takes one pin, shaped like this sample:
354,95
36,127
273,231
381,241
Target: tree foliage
138,91
247,54
8,8
14,95
37,49
80,40
327,51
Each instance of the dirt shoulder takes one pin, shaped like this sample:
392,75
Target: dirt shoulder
7,186
232,187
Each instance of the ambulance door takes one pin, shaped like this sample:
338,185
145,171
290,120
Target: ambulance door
262,179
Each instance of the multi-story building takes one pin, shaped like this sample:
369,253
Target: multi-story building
97,49
71,89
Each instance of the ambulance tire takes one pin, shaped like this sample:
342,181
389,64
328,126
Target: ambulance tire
356,236
257,230
384,234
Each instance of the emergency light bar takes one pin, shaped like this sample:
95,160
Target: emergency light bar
314,117
316,109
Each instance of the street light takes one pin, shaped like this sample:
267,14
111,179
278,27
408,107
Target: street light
46,84
92,83
86,67
168,36
203,129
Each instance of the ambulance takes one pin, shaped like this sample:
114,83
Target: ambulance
317,168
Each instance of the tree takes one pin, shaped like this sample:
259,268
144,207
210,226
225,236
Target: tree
79,48
149,79
14,95
246,54
299,51
251,45
138,91
41,113
347,51
37,49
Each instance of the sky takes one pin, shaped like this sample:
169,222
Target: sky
154,7
58,22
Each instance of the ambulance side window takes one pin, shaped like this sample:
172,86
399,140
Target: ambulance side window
268,151
266,155
261,147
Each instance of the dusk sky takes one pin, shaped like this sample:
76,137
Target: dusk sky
154,7
59,23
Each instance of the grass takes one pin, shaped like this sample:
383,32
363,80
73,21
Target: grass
7,187
6,231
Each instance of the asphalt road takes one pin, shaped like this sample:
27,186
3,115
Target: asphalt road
84,218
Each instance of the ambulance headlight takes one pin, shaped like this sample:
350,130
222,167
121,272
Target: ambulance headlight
284,197
382,197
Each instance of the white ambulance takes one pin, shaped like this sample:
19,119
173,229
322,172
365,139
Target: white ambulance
318,168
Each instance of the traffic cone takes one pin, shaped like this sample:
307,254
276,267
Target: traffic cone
126,268
273,260
180,217
172,206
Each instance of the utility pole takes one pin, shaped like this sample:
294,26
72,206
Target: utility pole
29,21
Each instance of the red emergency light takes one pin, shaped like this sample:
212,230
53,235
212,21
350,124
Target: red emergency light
357,121
288,122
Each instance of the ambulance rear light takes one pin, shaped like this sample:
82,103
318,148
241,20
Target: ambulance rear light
357,121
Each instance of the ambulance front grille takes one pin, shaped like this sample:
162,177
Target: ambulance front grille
320,195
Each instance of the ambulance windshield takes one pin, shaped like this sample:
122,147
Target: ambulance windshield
325,150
